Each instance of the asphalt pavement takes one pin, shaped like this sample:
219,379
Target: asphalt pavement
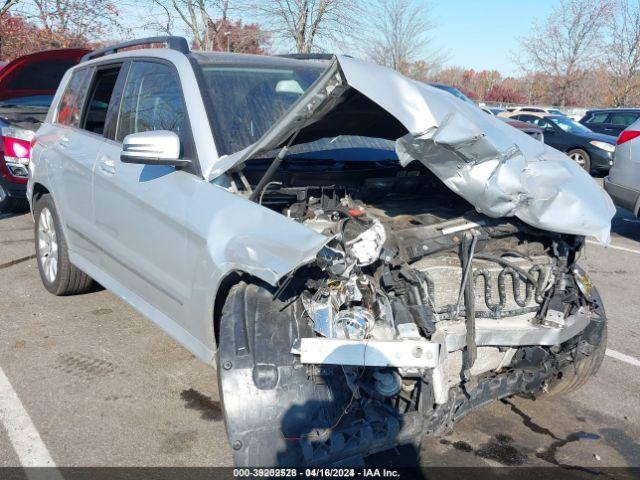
98,385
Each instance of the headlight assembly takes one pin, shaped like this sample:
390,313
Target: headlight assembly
607,147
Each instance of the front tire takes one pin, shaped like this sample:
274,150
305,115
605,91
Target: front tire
57,273
581,157
576,375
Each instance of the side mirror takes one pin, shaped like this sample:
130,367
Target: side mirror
160,147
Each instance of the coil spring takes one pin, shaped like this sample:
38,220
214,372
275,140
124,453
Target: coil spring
516,281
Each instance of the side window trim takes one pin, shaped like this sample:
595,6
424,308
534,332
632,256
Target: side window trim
94,78
113,111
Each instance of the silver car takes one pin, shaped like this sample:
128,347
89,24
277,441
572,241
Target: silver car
364,258
623,181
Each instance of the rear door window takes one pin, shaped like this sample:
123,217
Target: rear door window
527,118
537,121
598,118
70,106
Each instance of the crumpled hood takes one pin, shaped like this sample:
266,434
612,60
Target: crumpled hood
498,169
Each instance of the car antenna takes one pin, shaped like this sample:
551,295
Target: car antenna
273,167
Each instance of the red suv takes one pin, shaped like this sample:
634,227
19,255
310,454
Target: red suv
27,87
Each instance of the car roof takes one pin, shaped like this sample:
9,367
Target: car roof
535,114
519,124
212,58
252,59
613,110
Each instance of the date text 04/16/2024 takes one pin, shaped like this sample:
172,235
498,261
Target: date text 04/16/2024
315,472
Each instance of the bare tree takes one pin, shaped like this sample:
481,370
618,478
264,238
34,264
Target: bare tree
399,37
308,24
566,45
203,20
622,53
6,5
72,23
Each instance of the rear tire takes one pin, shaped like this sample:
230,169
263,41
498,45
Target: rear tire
581,157
576,375
57,273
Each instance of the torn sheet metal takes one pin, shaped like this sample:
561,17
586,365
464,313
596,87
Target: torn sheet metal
498,169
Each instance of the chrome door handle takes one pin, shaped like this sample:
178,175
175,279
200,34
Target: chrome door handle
63,142
108,167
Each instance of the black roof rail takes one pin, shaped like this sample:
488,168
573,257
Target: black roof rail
179,44
307,56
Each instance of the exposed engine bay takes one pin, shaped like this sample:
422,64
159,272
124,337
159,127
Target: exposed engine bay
420,309
429,281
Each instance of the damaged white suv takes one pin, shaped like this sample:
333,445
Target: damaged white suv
365,258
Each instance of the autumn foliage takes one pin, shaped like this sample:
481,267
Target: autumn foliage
19,37
237,37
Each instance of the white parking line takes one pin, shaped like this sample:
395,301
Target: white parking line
23,435
615,247
622,357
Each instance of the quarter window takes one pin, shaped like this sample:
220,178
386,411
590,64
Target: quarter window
70,106
152,100
624,119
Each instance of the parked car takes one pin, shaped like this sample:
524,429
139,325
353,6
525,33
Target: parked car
453,91
547,110
610,121
27,86
590,150
528,128
492,110
623,181
351,294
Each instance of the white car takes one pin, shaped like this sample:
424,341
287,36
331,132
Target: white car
365,258
547,110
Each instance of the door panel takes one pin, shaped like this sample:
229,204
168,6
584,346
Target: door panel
78,145
77,151
141,210
608,129
73,153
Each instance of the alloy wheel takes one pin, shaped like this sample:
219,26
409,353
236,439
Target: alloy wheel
48,245
578,158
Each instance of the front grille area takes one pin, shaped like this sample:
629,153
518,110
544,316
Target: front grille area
499,291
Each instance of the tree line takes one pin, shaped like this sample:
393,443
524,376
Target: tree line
586,52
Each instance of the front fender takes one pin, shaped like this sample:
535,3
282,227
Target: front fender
245,236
